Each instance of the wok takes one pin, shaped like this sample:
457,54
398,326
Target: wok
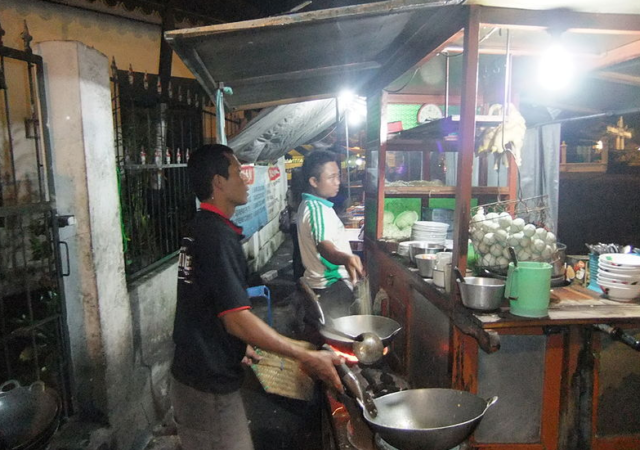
427,419
384,327
27,413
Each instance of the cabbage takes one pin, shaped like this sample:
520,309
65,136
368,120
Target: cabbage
406,219
390,231
388,217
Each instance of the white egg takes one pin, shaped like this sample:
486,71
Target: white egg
504,220
490,226
501,235
483,248
538,245
529,230
489,239
488,260
496,250
541,233
525,242
551,238
493,216
547,252
517,225
477,236
515,239
506,254
478,218
524,255
502,261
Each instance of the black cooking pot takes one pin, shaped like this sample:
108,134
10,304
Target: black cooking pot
29,415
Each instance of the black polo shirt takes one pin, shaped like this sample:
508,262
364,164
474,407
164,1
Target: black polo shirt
212,281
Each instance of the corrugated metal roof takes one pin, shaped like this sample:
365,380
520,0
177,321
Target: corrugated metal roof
308,55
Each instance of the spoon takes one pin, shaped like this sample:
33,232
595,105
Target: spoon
367,346
512,253
458,274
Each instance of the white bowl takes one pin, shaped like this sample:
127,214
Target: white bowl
620,259
617,270
603,279
403,248
620,293
629,278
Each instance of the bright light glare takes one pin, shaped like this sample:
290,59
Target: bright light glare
346,97
359,161
556,70
355,118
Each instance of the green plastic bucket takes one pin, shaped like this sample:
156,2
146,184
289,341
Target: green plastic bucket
528,288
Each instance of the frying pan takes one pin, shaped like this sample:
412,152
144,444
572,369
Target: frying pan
427,419
27,413
420,419
383,327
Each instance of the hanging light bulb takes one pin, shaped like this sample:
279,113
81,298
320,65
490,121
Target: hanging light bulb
556,70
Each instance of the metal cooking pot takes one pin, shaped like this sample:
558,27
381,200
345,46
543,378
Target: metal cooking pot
383,327
427,419
27,414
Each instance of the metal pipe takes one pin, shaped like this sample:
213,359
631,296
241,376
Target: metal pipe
592,116
446,84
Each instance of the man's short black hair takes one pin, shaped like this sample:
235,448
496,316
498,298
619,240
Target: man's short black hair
314,162
206,162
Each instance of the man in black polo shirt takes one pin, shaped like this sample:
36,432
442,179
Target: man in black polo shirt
213,323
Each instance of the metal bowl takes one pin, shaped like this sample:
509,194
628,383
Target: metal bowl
434,419
483,294
420,247
425,264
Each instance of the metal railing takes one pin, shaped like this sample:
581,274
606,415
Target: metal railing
155,135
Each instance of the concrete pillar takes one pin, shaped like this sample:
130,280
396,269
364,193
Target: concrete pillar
97,302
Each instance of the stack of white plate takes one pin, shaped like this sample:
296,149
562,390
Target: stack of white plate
619,276
432,232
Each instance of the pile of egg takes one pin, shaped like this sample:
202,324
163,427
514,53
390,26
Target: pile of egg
492,235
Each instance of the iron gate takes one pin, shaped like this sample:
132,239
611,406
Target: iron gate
33,333
154,137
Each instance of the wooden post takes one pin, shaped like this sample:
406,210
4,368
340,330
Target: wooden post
467,134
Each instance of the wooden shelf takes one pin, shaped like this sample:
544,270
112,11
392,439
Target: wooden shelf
440,129
435,191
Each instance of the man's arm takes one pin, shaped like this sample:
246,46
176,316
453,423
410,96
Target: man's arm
352,263
246,326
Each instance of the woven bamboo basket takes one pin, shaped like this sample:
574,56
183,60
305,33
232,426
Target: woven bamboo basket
284,376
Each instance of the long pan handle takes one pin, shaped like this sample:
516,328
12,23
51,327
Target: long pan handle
354,387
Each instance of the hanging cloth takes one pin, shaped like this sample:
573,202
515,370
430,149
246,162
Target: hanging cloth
221,136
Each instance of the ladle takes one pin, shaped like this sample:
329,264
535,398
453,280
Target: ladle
514,259
458,274
367,346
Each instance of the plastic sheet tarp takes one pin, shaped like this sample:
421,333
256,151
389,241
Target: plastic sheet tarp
277,130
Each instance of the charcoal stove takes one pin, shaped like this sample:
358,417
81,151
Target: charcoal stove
345,425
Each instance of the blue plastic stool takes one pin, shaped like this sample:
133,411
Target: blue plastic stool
264,292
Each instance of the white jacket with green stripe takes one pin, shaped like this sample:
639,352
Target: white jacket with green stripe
317,222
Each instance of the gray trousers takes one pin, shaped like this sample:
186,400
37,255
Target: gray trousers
209,421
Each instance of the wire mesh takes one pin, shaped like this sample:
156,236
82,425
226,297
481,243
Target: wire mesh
523,224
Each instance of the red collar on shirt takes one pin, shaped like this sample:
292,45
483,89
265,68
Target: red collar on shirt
216,210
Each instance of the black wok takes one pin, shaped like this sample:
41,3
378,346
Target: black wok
27,413
384,327
427,419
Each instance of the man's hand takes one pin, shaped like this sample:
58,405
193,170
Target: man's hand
351,262
354,268
321,363
250,356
